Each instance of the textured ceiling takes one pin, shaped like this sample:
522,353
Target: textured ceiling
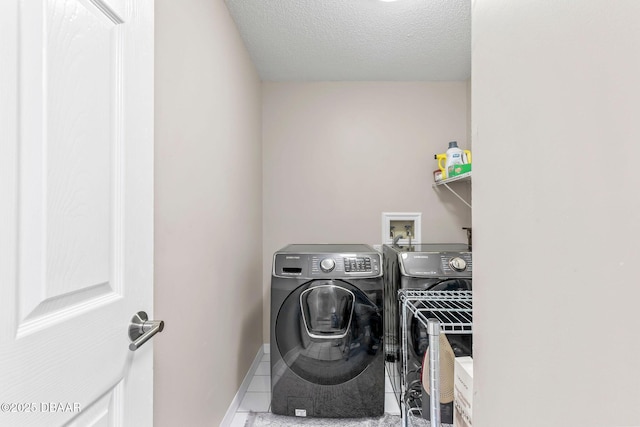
368,40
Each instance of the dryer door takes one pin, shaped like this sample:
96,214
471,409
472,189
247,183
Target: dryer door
461,343
328,331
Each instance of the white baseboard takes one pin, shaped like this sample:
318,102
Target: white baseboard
235,403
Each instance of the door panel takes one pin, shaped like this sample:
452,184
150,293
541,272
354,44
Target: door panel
103,412
76,210
70,161
82,59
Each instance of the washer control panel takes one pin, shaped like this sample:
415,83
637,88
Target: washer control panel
357,264
336,265
328,265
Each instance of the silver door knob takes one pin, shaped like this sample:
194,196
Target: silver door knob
141,329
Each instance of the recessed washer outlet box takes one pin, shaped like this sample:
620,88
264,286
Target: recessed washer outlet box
402,225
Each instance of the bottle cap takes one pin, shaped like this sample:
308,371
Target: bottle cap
453,144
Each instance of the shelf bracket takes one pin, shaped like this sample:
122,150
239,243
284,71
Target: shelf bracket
457,195
466,177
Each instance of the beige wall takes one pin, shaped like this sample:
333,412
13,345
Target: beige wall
556,103
208,221
337,155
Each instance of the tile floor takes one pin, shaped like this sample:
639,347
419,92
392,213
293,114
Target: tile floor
258,395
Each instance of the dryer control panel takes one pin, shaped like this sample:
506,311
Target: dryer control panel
437,264
327,265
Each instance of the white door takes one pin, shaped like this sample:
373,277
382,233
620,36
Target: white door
76,211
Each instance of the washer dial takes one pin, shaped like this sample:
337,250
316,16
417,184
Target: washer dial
327,265
457,264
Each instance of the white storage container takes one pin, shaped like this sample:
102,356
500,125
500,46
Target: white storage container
463,392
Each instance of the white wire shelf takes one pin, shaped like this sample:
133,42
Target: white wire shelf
450,312
463,177
453,309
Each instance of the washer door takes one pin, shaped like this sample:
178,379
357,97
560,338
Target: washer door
328,331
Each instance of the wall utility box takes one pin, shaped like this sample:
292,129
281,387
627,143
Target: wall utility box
402,225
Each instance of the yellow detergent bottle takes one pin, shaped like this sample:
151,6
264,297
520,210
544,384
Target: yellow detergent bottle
442,160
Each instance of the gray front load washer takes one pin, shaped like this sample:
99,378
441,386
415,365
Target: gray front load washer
326,331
